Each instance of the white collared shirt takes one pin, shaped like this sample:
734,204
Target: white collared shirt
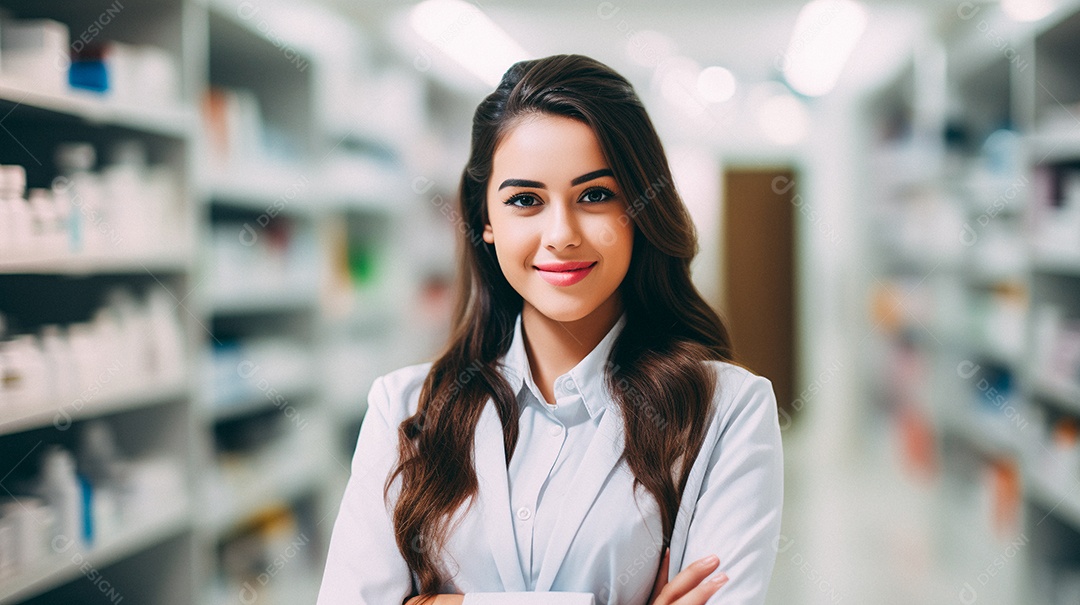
552,441
562,524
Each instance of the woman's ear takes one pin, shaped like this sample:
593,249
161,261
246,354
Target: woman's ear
489,235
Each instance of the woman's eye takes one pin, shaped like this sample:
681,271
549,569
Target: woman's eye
522,198
597,195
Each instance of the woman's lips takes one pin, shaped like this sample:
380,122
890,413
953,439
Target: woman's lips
565,274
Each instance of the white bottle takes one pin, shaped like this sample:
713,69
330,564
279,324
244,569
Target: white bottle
60,488
132,359
85,351
166,334
22,221
124,182
25,375
67,237
59,363
88,223
16,224
101,463
5,397
113,370
48,233
6,248
8,554
30,521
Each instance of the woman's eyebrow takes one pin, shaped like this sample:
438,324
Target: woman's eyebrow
538,185
592,175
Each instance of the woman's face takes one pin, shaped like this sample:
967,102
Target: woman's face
557,217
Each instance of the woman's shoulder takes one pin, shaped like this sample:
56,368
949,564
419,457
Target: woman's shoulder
730,374
398,392
739,390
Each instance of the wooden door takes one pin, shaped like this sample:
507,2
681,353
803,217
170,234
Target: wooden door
759,273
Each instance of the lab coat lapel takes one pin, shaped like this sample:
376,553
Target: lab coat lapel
601,457
490,459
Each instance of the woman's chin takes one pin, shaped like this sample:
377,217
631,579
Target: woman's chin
565,311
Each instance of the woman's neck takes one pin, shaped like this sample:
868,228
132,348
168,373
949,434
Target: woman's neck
555,347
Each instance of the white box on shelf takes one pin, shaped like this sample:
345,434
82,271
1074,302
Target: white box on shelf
35,53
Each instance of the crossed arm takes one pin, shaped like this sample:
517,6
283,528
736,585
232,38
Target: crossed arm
737,518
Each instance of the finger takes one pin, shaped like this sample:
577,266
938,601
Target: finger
701,593
661,575
689,578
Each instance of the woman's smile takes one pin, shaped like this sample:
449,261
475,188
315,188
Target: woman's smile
565,274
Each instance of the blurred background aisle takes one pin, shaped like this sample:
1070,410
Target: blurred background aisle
220,220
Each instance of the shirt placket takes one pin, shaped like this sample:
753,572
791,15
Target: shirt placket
544,451
558,418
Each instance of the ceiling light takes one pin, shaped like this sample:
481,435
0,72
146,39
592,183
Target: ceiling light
465,34
825,34
716,84
1027,10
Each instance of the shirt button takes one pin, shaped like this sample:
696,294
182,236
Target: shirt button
555,431
524,513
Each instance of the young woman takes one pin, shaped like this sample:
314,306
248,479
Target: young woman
585,435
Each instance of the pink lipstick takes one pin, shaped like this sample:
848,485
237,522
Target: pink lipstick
565,274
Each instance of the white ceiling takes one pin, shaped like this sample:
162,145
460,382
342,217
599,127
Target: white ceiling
746,36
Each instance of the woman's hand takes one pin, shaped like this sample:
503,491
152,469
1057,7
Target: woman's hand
688,588
443,599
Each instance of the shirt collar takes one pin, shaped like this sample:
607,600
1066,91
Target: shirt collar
588,375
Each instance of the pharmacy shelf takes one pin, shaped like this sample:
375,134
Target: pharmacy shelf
261,485
991,436
60,569
911,263
984,350
981,275
367,191
258,401
1054,146
157,118
176,260
266,301
214,44
1063,501
996,184
1064,395
1066,267
62,413
284,190
305,590
298,192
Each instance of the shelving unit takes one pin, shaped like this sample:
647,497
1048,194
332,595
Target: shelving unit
60,413
259,185
999,318
286,268
65,567
67,284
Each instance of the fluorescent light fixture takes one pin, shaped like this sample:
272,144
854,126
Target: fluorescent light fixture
1027,10
465,34
716,84
825,34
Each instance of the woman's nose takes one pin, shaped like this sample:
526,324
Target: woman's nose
561,229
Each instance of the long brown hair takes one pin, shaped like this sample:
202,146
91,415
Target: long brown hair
655,370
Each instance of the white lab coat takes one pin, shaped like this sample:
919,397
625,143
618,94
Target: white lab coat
605,544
